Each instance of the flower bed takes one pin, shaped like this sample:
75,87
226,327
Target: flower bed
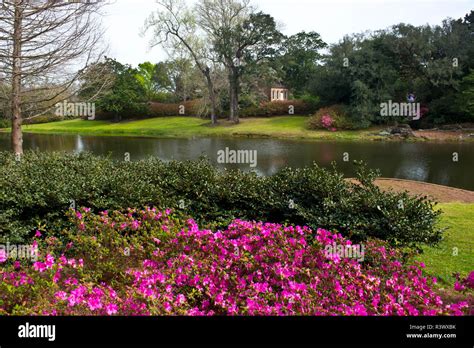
150,262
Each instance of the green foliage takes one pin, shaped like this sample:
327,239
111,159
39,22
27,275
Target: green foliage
252,40
126,96
145,77
41,187
299,60
465,100
170,81
433,62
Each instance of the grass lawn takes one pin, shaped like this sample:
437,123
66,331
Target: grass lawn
280,127
442,261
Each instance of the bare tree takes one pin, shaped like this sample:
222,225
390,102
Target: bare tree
221,19
241,37
44,47
174,25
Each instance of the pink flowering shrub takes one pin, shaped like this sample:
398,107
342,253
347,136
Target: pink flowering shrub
464,284
147,262
331,118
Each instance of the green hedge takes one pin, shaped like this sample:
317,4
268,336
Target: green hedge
39,189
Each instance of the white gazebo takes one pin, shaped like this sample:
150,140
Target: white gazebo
279,93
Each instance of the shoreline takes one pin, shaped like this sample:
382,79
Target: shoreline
279,127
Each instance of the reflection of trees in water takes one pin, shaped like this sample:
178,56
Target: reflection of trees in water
428,162
49,142
413,163
327,152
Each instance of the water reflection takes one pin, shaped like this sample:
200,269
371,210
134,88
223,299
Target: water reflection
430,162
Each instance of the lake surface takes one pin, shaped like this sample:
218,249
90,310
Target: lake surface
429,162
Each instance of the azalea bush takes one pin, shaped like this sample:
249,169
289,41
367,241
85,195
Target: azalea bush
38,190
332,118
151,262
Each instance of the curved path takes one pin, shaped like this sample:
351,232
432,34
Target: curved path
439,193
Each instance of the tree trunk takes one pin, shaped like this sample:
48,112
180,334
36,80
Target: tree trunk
231,96
236,95
235,92
17,137
212,95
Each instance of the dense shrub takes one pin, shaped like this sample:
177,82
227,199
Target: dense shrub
199,108
164,97
332,118
123,96
38,189
154,109
144,263
279,108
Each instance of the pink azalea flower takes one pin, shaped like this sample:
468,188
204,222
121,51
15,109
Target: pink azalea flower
135,224
3,256
111,308
61,295
39,266
458,286
94,303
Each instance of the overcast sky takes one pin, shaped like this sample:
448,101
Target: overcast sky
332,19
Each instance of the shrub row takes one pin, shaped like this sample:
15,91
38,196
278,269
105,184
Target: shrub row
154,109
279,108
188,108
265,109
38,190
198,108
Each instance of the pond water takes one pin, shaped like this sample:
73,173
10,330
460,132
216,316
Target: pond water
429,162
